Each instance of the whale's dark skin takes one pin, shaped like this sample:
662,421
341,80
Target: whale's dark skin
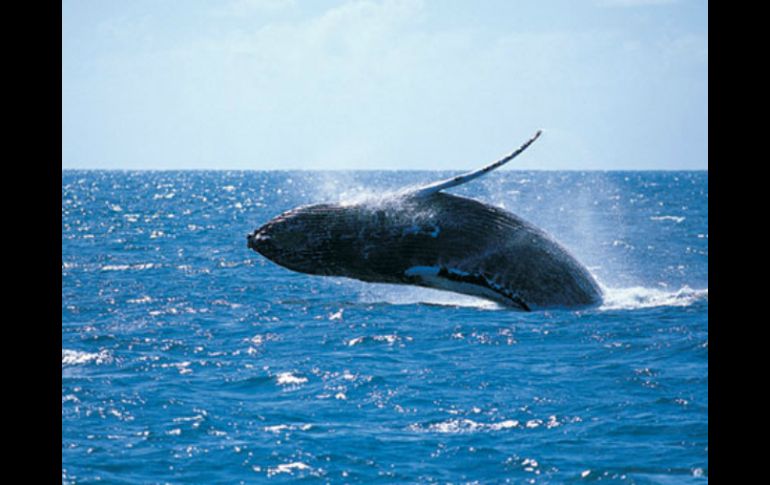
432,239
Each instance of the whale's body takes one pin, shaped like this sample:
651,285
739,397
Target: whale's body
432,239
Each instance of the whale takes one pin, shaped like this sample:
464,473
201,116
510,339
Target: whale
424,236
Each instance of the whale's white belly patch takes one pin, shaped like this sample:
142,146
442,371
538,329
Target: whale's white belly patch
459,281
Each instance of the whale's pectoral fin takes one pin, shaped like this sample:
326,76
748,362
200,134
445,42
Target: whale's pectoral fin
467,177
463,282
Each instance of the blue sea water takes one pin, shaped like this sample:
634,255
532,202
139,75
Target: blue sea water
188,358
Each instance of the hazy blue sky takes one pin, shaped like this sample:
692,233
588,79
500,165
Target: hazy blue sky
394,84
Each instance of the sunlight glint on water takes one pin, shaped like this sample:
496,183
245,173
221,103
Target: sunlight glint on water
188,358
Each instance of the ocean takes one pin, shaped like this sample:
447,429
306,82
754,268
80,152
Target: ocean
188,358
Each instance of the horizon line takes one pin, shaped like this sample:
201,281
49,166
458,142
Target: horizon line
379,170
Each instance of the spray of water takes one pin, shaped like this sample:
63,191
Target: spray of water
569,212
347,189
639,297
412,295
633,298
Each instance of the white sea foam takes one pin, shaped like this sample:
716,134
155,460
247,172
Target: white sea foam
631,298
144,299
287,378
182,367
507,424
389,339
115,267
534,423
676,219
75,357
287,427
403,295
260,339
287,468
640,297
454,426
125,267
355,341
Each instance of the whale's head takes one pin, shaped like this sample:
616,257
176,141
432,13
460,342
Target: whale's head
310,239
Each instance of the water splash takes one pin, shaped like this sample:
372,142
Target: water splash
639,297
403,295
631,298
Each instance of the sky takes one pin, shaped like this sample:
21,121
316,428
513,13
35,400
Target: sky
384,84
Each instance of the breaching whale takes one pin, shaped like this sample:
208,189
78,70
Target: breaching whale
426,237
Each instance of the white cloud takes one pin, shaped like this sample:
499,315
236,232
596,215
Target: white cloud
375,83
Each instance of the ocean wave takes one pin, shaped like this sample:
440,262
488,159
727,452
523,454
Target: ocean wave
454,426
126,267
76,357
638,297
287,378
466,425
676,219
287,468
278,428
389,339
